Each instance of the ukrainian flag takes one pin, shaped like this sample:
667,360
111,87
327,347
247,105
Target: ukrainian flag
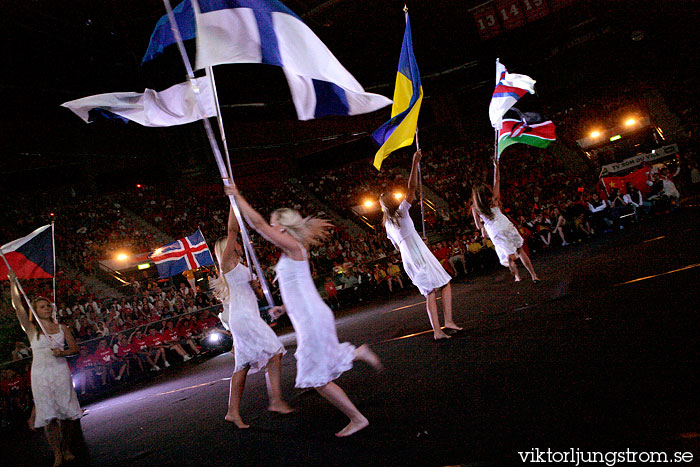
408,95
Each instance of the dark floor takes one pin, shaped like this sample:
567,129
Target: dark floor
585,359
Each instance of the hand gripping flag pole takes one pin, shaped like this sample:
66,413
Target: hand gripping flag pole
226,177
29,303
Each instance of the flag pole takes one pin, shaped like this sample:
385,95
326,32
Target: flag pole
225,176
220,120
29,303
53,247
495,155
495,129
420,190
420,175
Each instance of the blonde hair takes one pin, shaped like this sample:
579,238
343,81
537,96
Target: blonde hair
219,285
307,230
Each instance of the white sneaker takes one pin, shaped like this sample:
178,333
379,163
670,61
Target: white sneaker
186,357
155,368
117,378
565,244
167,365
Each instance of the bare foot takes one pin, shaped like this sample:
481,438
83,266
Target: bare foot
366,354
280,407
353,427
238,421
439,335
517,278
68,456
453,326
535,279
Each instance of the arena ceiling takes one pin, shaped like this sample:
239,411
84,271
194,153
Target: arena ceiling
58,51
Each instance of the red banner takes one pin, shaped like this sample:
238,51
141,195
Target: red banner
495,16
534,9
486,21
510,13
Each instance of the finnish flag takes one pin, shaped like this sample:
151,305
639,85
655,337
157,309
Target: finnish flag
267,32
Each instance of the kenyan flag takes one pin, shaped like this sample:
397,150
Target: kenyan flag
525,131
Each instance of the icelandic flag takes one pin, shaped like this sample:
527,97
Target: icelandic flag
267,32
31,257
176,105
400,130
182,255
510,87
530,128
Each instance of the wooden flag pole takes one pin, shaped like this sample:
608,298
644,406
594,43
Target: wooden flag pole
225,176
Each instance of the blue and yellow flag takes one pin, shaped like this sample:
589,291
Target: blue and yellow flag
408,95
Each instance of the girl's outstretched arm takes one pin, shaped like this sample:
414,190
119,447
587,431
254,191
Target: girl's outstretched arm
272,234
17,304
413,178
231,257
497,186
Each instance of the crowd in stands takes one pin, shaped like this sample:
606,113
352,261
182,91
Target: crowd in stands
151,326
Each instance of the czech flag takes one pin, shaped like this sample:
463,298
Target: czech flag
31,257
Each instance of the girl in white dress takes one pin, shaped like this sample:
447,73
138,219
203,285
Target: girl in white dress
320,357
55,401
420,264
486,209
255,344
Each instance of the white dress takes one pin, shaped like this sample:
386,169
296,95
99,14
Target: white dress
505,237
254,342
320,357
420,264
52,385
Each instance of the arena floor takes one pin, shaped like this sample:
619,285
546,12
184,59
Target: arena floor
599,356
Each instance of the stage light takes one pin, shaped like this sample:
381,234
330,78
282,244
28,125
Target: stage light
122,256
51,214
214,337
630,122
144,266
398,195
595,134
369,203
615,138
138,185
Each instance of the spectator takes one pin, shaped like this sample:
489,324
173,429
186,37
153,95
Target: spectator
21,351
